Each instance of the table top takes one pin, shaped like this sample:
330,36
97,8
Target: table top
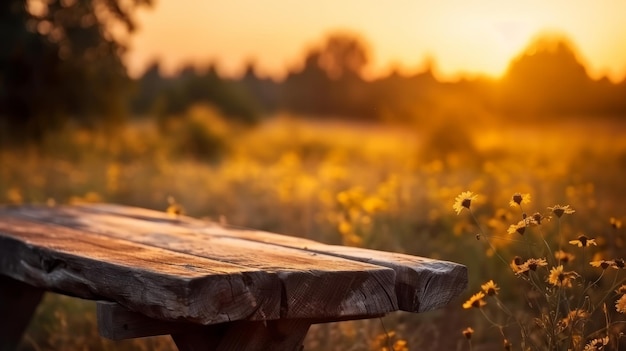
186,269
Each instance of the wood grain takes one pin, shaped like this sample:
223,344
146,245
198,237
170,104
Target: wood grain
311,285
421,284
159,283
184,269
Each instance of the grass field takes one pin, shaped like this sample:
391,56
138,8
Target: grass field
383,187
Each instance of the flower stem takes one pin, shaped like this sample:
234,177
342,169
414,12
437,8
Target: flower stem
482,233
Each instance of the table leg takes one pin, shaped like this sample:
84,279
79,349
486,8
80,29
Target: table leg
18,302
279,335
117,323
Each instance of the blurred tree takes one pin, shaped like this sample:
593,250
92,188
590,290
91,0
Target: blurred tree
406,99
264,89
60,62
331,80
547,77
170,96
343,55
307,90
147,90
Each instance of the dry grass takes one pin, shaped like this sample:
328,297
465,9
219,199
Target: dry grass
389,188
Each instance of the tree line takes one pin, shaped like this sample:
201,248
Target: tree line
546,79
59,64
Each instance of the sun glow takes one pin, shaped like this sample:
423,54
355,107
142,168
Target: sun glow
468,38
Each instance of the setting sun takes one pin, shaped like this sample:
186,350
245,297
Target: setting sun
461,38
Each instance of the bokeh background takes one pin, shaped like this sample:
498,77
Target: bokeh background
353,122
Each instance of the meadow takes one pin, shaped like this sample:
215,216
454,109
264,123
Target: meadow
387,187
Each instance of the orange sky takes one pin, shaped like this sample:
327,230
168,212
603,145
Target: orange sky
463,37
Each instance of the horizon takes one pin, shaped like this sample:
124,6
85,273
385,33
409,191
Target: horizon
461,40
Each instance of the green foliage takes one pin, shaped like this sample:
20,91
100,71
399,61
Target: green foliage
200,134
165,96
548,80
331,82
59,63
447,138
343,55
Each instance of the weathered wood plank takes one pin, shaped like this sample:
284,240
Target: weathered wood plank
139,213
18,302
313,285
422,284
156,282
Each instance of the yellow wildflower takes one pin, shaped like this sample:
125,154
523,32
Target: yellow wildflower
490,288
615,223
519,228
519,199
344,227
574,316
464,200
558,277
583,241
537,218
174,209
618,263
516,264
467,333
601,263
373,204
620,305
14,195
560,210
532,264
564,257
475,301
400,345
621,289
597,344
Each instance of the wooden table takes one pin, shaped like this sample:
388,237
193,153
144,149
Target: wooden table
210,287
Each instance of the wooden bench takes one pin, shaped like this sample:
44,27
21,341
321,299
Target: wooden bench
208,286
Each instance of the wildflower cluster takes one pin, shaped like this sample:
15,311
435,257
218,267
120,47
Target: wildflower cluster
566,305
620,305
357,211
389,341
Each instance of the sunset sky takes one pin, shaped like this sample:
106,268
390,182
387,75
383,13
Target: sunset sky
462,37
